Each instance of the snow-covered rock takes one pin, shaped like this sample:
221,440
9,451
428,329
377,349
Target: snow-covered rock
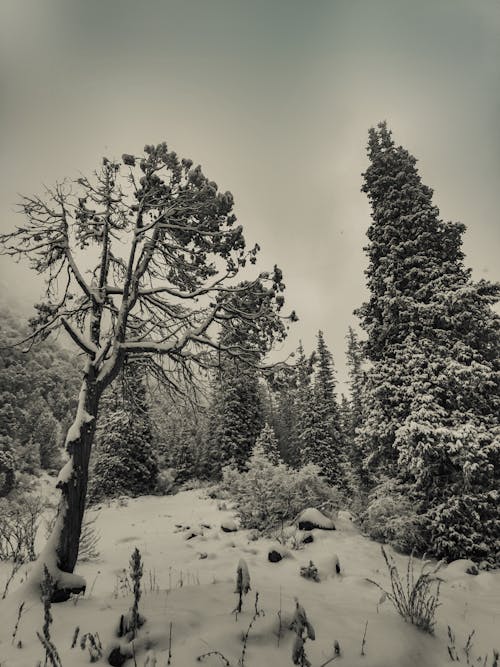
276,553
329,567
457,569
229,526
312,518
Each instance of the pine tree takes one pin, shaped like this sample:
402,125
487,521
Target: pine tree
124,461
268,442
432,393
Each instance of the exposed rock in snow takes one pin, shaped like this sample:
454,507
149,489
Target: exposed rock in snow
276,553
312,518
229,526
274,556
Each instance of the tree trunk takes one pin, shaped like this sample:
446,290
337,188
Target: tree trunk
72,482
74,493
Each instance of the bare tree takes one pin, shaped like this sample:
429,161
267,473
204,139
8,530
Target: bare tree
141,261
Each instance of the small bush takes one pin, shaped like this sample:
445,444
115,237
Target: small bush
266,495
390,517
310,572
166,482
19,521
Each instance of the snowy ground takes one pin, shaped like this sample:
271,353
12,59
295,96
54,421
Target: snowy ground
196,595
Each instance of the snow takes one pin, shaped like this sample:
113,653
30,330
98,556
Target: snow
65,472
74,430
197,596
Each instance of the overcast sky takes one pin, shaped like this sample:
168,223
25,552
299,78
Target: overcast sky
274,98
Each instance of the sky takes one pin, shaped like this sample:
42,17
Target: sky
274,98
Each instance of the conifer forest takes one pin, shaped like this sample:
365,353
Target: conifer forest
250,372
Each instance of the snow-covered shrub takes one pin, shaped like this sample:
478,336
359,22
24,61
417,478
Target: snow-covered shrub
165,482
266,495
303,631
310,572
7,467
391,517
19,520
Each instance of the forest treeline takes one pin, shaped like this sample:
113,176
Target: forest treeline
413,449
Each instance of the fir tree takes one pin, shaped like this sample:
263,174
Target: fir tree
124,461
321,435
355,366
432,393
268,442
236,410
305,409
354,410
235,418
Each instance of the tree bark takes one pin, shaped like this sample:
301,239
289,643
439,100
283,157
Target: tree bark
74,493
73,487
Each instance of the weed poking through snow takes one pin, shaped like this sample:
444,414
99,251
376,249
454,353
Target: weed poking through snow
92,642
257,612
47,589
136,571
413,597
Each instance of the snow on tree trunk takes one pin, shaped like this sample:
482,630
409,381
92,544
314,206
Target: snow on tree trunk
60,553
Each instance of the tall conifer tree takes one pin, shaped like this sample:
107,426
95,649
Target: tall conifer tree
432,397
321,435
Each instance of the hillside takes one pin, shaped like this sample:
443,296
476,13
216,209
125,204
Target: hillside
196,595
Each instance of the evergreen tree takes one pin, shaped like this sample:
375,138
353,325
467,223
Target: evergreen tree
124,460
235,413
432,393
44,434
268,442
354,411
346,419
7,465
321,435
304,431
285,386
355,366
235,417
